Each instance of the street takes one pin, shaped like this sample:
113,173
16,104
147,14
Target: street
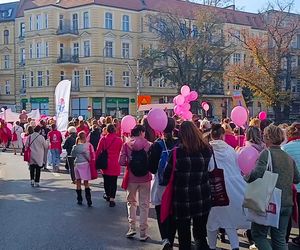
49,218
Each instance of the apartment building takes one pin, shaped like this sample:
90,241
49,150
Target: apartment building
97,44
7,54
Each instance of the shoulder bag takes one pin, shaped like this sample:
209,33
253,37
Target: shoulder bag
102,159
27,150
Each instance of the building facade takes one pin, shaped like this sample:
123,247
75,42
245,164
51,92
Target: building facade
97,45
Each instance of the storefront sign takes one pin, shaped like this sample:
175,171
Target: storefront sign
39,100
144,100
117,100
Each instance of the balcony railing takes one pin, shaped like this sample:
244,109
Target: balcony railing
68,59
67,30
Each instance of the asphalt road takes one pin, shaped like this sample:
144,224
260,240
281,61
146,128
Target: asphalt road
48,217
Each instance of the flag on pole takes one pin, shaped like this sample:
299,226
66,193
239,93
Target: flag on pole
62,102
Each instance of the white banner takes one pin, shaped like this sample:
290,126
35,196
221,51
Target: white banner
34,114
62,103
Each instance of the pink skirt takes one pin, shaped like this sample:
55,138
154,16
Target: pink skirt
82,171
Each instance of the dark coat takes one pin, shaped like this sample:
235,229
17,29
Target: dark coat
191,197
69,143
95,136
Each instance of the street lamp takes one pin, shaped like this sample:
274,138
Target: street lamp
228,94
104,82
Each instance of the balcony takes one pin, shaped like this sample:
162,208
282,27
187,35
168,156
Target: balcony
68,59
66,30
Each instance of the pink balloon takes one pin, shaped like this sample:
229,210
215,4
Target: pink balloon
127,123
180,100
239,116
175,100
185,90
9,126
178,110
187,115
203,103
157,119
205,107
262,115
247,158
186,106
193,96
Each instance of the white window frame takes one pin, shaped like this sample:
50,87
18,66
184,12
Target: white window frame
47,77
109,78
31,79
123,50
236,58
6,62
62,75
72,21
39,23
87,78
123,23
30,23
84,24
23,81
39,81
31,51
126,79
46,20
7,87
46,49
22,55
22,29
84,48
106,48
38,50
76,79
76,49
109,20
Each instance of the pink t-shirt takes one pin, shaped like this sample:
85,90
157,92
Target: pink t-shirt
55,138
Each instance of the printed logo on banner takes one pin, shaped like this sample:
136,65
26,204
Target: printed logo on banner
61,105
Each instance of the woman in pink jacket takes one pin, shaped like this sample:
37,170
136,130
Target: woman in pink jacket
113,144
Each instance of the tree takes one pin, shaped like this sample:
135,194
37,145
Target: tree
190,51
215,3
262,71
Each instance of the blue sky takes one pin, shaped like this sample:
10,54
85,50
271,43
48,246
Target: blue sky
248,5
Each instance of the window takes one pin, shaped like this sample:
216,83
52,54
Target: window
31,79
61,22
43,107
236,58
125,50
76,49
75,21
142,24
47,78
109,79
86,20
87,77
126,79
87,48
61,50
23,82
62,75
47,49
79,107
40,79
6,37
6,62
298,41
150,81
161,82
38,50
108,48
22,56
7,87
22,29
76,81
30,23
150,24
30,51
46,21
125,23
108,21
195,31
38,22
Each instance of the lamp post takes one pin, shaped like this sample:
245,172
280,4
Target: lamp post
228,93
104,82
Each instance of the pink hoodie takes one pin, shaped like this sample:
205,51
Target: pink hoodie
135,143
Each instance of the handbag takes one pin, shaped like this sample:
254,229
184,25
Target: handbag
14,135
92,162
258,193
102,160
219,197
27,150
272,213
167,197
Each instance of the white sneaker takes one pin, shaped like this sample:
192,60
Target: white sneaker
36,184
32,183
144,237
166,244
131,232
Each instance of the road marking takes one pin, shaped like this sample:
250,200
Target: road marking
56,174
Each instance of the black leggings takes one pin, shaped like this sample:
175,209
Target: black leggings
35,172
110,185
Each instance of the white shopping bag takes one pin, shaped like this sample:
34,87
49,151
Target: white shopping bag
271,217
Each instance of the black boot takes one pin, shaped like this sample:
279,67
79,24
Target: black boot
88,196
79,197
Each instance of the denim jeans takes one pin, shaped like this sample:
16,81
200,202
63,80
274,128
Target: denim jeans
260,232
55,156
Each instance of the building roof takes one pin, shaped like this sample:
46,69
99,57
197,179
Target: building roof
183,6
8,11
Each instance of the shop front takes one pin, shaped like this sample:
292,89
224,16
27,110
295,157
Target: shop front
41,103
97,107
79,107
117,107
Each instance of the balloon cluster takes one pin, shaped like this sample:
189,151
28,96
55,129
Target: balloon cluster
182,102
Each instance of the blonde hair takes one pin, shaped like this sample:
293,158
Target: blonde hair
273,135
293,131
81,137
255,122
227,128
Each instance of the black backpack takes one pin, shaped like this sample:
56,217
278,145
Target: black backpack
139,163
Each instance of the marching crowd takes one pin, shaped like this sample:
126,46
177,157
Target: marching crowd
173,170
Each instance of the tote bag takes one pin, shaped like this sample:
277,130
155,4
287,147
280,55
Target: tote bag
27,151
219,197
258,193
167,197
272,214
